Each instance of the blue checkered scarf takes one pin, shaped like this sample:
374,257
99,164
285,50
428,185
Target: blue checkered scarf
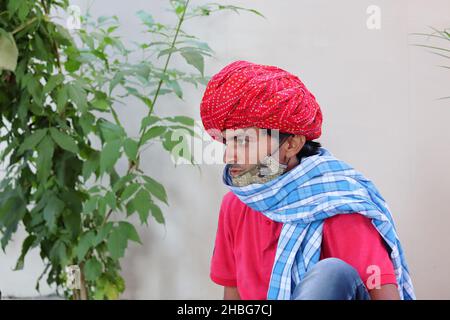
320,187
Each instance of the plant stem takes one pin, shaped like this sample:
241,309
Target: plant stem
23,26
141,136
116,118
107,216
164,70
45,7
83,290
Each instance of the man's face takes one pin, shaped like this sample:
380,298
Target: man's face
247,147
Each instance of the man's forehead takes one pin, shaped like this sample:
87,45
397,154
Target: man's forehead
250,131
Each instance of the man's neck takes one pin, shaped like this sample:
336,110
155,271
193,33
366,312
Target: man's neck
292,163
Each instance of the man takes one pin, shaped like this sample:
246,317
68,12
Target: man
298,223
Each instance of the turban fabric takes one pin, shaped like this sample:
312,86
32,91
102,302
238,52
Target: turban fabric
244,94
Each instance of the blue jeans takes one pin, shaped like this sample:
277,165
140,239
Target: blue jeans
331,279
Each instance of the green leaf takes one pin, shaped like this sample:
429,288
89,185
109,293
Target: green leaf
188,121
90,205
86,242
110,200
180,8
156,188
109,155
52,210
12,7
39,48
44,160
62,35
168,142
153,132
195,59
53,81
87,122
133,91
68,168
72,65
167,51
117,243
109,288
34,87
24,9
199,44
92,269
130,208
64,141
131,148
90,165
12,210
78,95
101,104
148,121
141,203
8,51
72,217
118,78
156,213
176,88
26,245
146,18
113,177
31,141
110,131
58,254
122,181
61,98
101,209
103,233
130,231
129,191
182,149
184,131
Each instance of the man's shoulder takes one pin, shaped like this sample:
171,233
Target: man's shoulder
232,206
231,200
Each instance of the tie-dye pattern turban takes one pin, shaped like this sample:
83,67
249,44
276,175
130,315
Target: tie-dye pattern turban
245,94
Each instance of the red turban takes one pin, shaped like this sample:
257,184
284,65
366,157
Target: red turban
245,94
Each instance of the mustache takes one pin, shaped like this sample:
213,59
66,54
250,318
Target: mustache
239,170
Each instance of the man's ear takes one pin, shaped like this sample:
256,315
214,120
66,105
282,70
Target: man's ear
294,144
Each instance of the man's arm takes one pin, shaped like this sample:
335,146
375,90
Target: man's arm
385,292
230,293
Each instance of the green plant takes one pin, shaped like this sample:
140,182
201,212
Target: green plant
58,94
441,50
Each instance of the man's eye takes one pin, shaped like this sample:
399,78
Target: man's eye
242,141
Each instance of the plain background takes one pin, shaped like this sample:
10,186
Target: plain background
379,95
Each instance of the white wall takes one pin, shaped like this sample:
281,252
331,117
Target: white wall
379,96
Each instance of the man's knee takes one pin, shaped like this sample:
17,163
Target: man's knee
335,270
329,279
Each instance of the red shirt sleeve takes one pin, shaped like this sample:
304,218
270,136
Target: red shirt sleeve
223,269
354,239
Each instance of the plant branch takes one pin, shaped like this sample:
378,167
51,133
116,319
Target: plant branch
180,22
23,26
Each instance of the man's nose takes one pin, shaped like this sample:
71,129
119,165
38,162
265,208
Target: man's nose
229,155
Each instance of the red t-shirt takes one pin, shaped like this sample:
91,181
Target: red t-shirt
246,243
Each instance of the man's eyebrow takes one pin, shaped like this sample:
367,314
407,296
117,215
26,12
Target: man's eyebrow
233,133
230,134
236,135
